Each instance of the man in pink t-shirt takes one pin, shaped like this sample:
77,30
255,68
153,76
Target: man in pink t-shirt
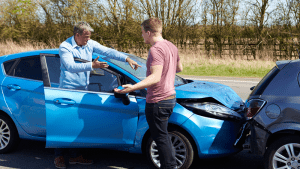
162,64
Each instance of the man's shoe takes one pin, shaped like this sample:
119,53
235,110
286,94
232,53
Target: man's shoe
59,162
80,160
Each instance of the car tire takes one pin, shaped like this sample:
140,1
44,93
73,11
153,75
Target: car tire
9,137
277,154
184,150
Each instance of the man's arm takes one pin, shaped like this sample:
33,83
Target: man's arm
152,79
179,67
67,59
103,50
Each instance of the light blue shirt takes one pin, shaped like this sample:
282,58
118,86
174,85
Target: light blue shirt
75,75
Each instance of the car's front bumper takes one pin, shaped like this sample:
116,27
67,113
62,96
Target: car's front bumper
213,137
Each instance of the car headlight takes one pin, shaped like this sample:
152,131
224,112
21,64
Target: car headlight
213,110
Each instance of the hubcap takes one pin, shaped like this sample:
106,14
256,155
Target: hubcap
178,146
287,156
4,134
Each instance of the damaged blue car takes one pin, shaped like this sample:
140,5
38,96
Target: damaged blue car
205,123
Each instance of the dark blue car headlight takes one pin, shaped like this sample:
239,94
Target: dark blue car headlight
213,110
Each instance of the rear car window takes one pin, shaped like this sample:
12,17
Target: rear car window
29,68
7,65
262,85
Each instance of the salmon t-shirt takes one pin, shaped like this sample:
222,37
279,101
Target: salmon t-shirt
162,53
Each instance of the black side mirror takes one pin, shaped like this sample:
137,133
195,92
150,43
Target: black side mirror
124,97
251,88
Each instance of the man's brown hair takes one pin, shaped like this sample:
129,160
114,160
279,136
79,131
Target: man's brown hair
79,27
153,25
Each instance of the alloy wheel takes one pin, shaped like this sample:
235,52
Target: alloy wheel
287,156
178,146
4,134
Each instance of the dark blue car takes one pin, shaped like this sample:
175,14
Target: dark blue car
205,123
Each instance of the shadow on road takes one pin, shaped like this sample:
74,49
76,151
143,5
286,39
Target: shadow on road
34,155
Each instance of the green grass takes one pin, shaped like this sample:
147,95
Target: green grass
225,70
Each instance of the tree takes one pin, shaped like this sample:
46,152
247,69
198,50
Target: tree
173,13
259,16
18,17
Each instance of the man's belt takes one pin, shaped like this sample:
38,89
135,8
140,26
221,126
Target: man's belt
170,97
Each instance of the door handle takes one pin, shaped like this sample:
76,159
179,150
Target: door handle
64,101
13,87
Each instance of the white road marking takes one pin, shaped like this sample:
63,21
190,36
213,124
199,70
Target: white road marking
224,80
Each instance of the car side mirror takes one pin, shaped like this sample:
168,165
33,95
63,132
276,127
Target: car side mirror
124,97
251,88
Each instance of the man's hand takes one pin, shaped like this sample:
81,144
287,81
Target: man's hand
96,64
132,63
127,88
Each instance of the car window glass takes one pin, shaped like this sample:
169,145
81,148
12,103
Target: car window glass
29,68
102,81
8,65
262,85
53,64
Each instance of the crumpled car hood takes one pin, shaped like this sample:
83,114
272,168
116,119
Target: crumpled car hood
202,89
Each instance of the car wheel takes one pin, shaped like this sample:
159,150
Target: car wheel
9,137
283,153
184,153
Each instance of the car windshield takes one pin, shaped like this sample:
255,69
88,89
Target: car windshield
140,73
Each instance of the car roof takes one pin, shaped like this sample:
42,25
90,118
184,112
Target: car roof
28,53
32,53
280,64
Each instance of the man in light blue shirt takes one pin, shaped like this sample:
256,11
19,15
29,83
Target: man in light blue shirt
75,75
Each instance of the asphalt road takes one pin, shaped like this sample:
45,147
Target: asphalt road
34,155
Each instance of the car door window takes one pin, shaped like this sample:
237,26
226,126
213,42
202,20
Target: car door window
29,67
53,64
102,81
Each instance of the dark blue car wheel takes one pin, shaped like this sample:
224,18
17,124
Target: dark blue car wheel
283,153
9,137
184,153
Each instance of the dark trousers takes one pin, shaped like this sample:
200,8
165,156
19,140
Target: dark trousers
157,115
60,152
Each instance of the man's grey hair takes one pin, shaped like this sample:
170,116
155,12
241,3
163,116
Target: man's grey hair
79,27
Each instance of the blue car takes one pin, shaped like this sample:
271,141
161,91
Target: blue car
205,123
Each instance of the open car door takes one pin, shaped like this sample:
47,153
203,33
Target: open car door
86,118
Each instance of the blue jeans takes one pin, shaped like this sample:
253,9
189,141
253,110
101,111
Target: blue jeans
157,115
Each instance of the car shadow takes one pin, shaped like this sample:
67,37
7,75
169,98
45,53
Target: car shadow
34,155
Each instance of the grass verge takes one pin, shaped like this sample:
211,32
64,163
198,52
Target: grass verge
197,65
194,63
225,70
